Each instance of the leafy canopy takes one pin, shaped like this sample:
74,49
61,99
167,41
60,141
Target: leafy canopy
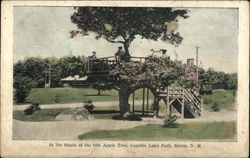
122,24
154,72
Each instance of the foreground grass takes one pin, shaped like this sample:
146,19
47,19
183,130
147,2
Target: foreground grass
74,95
154,132
224,98
106,112
40,115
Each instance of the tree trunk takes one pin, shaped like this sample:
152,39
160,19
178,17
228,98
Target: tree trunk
126,55
124,94
99,92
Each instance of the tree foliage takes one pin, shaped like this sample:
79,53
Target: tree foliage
123,24
154,72
101,85
211,79
22,85
32,71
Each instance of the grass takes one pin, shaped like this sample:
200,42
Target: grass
106,112
40,115
224,98
155,132
74,95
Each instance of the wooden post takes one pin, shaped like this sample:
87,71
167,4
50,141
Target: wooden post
133,102
147,99
182,104
157,107
143,100
168,106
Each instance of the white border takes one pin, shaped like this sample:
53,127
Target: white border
20,148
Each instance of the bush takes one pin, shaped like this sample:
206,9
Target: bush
89,106
207,101
22,87
170,122
36,106
58,98
215,107
31,109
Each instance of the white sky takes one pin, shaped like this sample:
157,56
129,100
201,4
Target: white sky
44,31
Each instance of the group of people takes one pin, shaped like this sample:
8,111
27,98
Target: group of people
121,55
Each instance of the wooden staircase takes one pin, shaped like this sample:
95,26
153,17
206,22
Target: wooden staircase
185,101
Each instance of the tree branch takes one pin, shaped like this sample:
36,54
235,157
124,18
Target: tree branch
116,88
112,41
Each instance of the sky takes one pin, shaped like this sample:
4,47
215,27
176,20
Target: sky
44,32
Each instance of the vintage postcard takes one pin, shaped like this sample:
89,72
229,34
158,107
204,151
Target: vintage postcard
124,79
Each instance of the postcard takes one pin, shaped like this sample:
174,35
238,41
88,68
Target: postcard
124,79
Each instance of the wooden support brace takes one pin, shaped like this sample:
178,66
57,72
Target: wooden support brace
168,104
143,100
182,104
147,98
133,102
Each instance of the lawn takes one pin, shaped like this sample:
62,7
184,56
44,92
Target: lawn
40,115
155,132
74,95
224,98
99,112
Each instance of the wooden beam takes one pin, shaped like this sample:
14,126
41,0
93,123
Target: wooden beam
143,100
157,107
168,104
147,98
133,102
182,104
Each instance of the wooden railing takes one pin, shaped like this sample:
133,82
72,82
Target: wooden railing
192,101
109,63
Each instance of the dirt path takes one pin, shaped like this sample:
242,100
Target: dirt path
69,130
66,130
73,105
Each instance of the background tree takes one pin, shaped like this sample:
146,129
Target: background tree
22,86
100,85
31,72
122,24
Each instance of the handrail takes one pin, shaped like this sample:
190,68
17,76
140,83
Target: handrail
193,103
193,95
195,108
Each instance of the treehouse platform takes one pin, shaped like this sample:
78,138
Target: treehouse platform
186,101
100,66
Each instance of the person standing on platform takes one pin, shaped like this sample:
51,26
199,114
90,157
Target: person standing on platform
119,55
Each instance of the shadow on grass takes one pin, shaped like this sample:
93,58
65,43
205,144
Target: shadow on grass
96,95
128,118
104,112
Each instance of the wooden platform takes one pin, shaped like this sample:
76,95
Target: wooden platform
102,65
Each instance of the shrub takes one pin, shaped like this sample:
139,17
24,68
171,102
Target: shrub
32,108
22,87
170,122
215,107
36,106
88,105
207,101
58,98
